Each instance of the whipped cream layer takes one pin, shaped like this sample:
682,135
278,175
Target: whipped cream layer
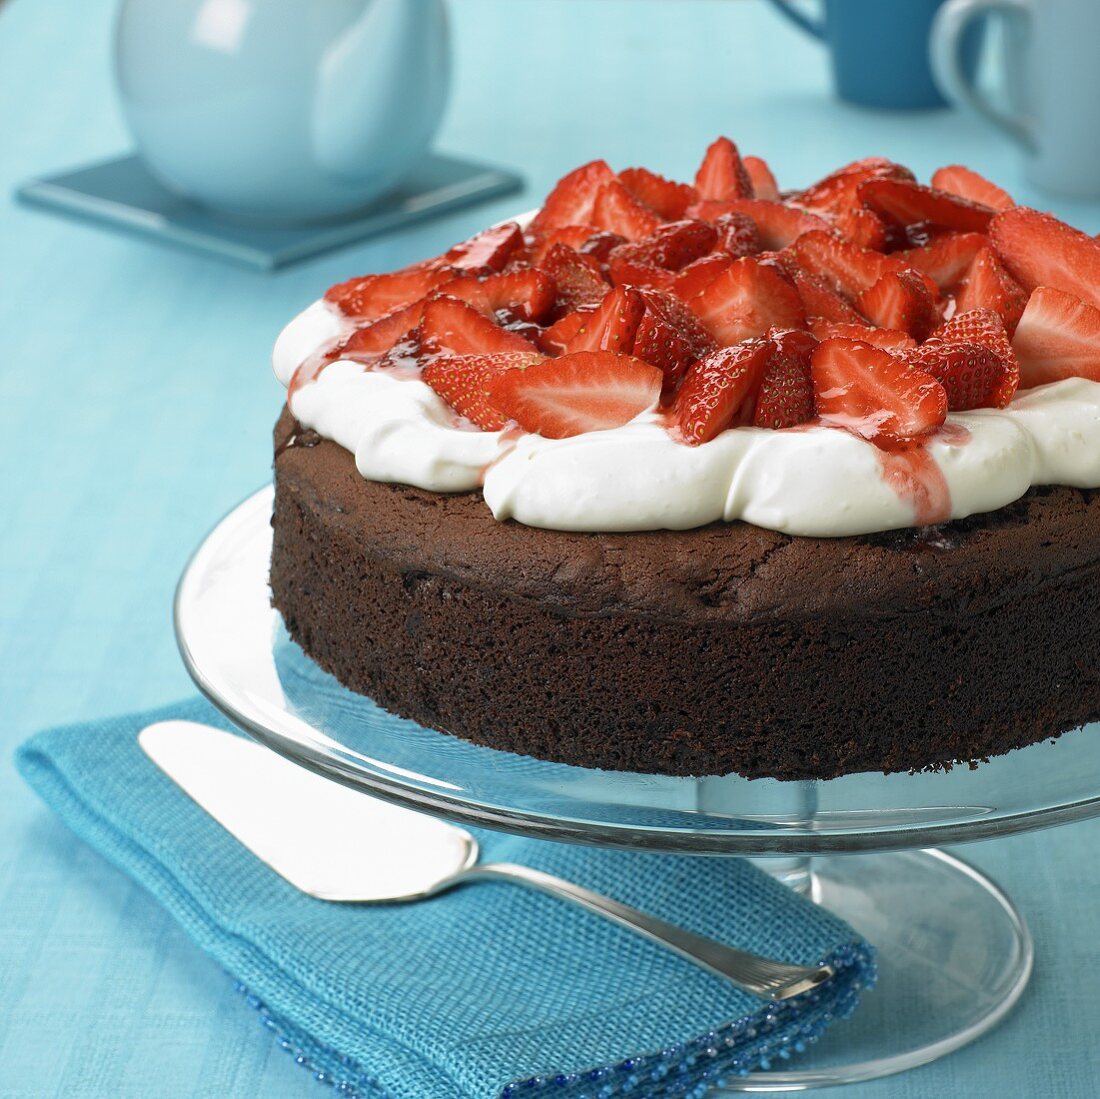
811,481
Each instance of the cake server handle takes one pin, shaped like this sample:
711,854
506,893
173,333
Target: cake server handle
762,977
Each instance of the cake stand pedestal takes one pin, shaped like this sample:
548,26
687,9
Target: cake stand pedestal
954,954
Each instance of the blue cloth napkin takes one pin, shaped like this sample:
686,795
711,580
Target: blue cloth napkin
488,991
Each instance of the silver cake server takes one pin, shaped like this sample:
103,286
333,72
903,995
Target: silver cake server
338,844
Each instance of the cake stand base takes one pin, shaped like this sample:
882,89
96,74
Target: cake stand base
953,956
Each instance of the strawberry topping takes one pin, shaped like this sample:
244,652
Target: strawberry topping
1057,337
463,382
717,387
585,391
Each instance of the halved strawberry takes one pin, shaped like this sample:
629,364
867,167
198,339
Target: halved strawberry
737,235
529,292
586,391
989,286
873,394
716,388
972,375
618,211
670,337
899,300
862,227
377,338
553,339
746,300
572,199
628,272
838,192
819,300
672,246
903,202
888,339
966,183
1057,337
667,198
463,382
372,296
983,327
722,174
786,394
581,238
844,267
579,279
451,327
612,325
760,175
486,251
697,276
947,258
777,224
1040,250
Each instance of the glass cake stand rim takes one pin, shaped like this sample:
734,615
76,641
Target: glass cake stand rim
797,840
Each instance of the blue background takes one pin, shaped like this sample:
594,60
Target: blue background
137,404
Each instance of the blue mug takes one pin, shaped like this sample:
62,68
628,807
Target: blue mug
879,49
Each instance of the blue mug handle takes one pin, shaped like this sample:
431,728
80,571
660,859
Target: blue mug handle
799,18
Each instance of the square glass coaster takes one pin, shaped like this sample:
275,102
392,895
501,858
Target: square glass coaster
121,194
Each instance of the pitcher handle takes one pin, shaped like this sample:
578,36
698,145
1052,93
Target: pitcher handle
799,18
944,44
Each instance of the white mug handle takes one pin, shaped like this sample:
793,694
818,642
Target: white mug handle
944,53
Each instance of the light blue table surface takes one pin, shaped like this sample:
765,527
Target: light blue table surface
137,404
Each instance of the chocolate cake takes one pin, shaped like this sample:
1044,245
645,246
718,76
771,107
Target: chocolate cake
726,648
704,478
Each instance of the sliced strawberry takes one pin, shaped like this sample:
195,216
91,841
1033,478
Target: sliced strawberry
451,327
862,227
888,339
972,375
1040,250
838,192
786,395
899,300
553,339
673,246
612,325
820,301
378,337
844,267
717,387
487,251
372,296
667,198
903,202
989,286
697,276
572,199
463,382
670,337
628,272
710,209
746,300
760,175
737,235
777,224
983,327
1057,337
528,292
947,258
873,394
618,211
581,238
586,391
579,279
966,183
722,174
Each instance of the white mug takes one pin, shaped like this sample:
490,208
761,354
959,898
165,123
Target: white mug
1054,84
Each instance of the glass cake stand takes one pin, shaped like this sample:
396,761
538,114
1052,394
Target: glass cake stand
954,954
